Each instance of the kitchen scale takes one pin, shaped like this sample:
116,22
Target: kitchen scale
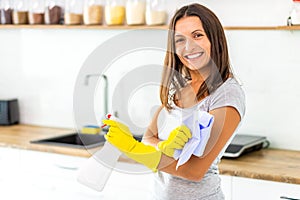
242,144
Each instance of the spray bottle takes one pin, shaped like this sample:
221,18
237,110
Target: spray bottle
97,170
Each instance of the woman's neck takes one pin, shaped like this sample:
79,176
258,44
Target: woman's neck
197,78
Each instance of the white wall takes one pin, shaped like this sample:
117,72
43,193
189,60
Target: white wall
267,63
40,68
246,13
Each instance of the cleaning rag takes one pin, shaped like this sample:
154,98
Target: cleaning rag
200,124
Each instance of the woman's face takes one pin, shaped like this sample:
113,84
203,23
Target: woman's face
191,43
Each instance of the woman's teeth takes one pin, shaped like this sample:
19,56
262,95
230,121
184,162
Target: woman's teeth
192,56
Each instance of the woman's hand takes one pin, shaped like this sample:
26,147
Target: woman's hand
176,140
120,136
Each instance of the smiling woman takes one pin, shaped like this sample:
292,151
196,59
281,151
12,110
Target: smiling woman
191,42
197,48
196,79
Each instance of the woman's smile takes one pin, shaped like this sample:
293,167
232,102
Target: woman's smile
193,56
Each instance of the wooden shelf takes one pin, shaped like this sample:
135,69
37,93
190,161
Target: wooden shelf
126,27
83,27
290,28
283,28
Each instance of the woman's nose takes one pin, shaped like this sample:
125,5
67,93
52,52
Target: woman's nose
190,44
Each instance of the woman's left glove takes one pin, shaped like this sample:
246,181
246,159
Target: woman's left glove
176,140
120,136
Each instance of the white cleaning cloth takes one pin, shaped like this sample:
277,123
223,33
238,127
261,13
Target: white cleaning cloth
200,124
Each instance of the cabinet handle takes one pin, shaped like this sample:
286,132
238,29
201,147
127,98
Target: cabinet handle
66,167
289,198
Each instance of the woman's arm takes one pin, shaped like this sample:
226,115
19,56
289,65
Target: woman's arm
151,135
226,120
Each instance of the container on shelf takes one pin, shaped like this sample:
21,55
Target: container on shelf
5,12
115,12
135,12
20,12
295,13
36,11
156,13
93,12
73,12
54,11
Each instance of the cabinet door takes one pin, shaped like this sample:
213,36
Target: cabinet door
129,181
249,189
226,182
51,176
9,159
9,171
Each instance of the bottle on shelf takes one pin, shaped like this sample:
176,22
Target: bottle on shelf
295,13
36,11
115,12
20,12
156,13
54,11
5,12
93,12
135,12
73,12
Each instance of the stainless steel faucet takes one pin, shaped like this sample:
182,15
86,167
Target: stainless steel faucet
86,82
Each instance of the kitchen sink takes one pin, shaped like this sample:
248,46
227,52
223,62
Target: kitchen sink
76,140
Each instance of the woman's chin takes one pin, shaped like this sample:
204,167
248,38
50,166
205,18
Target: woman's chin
195,66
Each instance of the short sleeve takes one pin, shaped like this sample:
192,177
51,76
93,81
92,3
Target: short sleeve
230,93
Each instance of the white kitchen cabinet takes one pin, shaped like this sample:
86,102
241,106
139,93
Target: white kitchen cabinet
226,185
9,171
48,176
249,189
9,163
40,175
9,158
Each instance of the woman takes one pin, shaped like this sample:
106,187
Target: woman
197,76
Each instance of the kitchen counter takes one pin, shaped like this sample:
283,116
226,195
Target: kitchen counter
19,136
267,164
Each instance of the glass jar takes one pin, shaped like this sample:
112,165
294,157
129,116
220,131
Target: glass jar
295,13
115,12
36,11
5,12
135,12
20,12
73,12
156,13
93,12
54,11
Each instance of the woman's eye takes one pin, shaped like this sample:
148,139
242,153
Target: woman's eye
197,35
179,40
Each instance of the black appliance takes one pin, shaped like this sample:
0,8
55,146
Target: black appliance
9,111
242,144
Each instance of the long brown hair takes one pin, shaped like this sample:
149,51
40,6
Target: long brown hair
174,69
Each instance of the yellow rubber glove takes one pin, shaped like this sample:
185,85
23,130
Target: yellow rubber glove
176,140
120,136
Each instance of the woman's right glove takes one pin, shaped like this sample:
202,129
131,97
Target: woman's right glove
120,136
176,140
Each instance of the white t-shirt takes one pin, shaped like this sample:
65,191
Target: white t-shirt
168,187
